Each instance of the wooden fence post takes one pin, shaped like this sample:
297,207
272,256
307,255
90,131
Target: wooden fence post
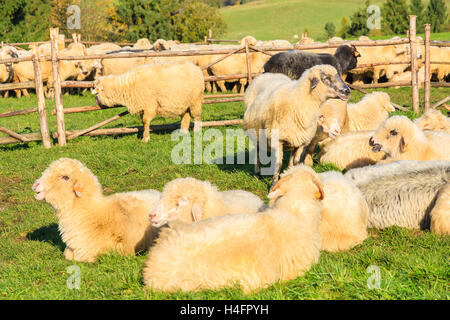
41,99
57,88
210,35
427,84
249,67
413,51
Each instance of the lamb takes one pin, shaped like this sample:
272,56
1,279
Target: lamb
253,250
440,215
350,150
368,113
166,89
344,213
401,139
433,120
403,193
290,109
294,63
192,200
91,223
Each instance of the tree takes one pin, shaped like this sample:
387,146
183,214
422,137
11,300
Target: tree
330,29
358,25
436,15
395,17
416,8
345,24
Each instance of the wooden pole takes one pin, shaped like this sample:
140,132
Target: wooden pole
57,88
247,57
222,58
413,51
440,102
14,135
17,113
366,92
96,126
427,85
209,35
41,100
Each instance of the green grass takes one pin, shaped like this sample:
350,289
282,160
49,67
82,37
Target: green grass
282,19
413,264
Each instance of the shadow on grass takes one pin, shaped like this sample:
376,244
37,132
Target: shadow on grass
48,234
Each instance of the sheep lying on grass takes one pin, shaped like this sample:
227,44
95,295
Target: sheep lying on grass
433,120
290,109
368,113
169,89
344,213
89,222
403,193
401,139
253,250
350,150
189,200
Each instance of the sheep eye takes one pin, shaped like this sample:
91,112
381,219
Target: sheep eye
394,132
65,178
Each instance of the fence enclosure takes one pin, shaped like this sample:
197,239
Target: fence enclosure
62,135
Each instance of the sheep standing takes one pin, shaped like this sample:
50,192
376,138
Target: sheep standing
192,200
433,120
295,63
165,89
401,139
350,150
290,109
89,222
254,250
345,213
403,193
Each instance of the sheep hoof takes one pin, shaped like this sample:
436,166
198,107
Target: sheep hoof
68,254
146,139
309,160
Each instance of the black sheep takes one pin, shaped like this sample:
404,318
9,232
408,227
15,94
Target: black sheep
294,63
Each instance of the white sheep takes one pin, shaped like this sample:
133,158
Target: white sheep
91,223
253,250
440,215
165,89
401,139
345,213
350,150
404,192
433,120
290,110
192,200
368,113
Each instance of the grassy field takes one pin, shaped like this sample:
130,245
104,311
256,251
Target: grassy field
282,19
413,264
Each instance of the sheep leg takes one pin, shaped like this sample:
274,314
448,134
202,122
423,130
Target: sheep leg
196,113
146,118
278,164
294,159
68,254
185,122
234,90
257,163
221,85
243,82
6,95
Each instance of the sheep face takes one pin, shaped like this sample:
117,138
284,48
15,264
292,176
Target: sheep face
392,136
385,101
325,80
101,97
182,199
64,181
432,120
297,180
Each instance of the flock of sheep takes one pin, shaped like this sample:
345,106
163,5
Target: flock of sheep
200,238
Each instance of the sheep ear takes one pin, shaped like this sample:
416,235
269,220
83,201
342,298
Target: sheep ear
77,188
276,189
314,83
402,145
197,212
182,202
319,194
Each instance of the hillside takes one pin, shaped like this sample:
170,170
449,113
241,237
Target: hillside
282,19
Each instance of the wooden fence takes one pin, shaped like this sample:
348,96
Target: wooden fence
62,135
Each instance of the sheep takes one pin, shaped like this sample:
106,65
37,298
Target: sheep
290,109
368,113
91,223
6,69
294,63
253,250
192,200
166,89
406,76
440,70
250,40
143,43
95,65
345,213
433,120
350,150
401,139
403,194
440,215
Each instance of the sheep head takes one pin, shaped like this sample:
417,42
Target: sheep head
298,180
432,120
393,136
326,81
182,199
328,120
65,181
